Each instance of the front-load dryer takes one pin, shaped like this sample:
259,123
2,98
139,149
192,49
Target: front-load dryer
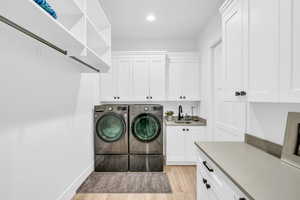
146,137
111,138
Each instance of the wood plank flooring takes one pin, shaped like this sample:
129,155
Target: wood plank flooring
182,180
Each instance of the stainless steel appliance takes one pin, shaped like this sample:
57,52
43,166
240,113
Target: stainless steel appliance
146,138
111,138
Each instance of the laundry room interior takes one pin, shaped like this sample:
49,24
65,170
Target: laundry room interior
149,100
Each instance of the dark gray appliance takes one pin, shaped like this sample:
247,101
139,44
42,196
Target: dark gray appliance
111,138
146,137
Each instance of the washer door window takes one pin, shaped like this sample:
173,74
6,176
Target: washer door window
146,127
110,127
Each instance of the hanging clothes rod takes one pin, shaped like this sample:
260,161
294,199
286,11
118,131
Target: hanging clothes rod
49,44
87,65
32,35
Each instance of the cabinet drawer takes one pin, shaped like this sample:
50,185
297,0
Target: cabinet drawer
221,184
206,190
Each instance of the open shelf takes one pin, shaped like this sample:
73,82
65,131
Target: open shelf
81,30
95,40
96,14
33,18
91,58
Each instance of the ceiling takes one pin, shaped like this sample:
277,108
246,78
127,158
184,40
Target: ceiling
176,19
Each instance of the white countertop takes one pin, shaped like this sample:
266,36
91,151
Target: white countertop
260,175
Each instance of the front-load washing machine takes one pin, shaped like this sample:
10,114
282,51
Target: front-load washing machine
111,138
146,137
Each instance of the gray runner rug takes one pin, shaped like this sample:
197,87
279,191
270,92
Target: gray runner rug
130,182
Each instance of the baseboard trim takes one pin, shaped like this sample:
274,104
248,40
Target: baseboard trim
70,192
180,163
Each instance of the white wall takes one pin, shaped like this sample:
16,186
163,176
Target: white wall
153,45
268,120
265,120
46,117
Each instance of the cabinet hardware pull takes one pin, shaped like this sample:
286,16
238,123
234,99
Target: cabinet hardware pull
184,97
204,181
180,97
237,94
208,168
242,198
147,97
115,98
150,97
243,93
183,129
188,129
118,97
207,186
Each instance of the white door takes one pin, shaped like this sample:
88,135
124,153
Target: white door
263,69
123,79
175,144
190,80
290,45
229,116
108,83
174,80
141,79
157,78
233,51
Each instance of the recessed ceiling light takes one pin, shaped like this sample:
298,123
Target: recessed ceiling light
151,18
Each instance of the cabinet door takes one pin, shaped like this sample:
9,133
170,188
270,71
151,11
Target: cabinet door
174,81
175,144
157,78
263,69
108,83
193,134
190,84
140,79
233,51
290,45
124,79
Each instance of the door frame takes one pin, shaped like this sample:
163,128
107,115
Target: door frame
212,46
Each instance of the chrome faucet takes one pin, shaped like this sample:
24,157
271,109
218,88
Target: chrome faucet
180,115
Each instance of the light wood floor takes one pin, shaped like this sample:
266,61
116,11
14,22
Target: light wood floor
182,180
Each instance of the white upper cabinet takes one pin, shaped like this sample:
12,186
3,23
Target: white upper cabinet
233,44
183,77
149,78
116,84
263,47
123,79
135,78
140,79
290,48
107,84
157,78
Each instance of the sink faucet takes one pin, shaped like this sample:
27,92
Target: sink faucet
180,116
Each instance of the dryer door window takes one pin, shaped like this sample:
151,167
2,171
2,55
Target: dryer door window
110,127
146,127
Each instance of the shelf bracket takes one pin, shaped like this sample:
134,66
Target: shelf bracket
32,35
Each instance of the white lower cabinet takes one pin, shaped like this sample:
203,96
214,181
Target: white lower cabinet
212,184
180,148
